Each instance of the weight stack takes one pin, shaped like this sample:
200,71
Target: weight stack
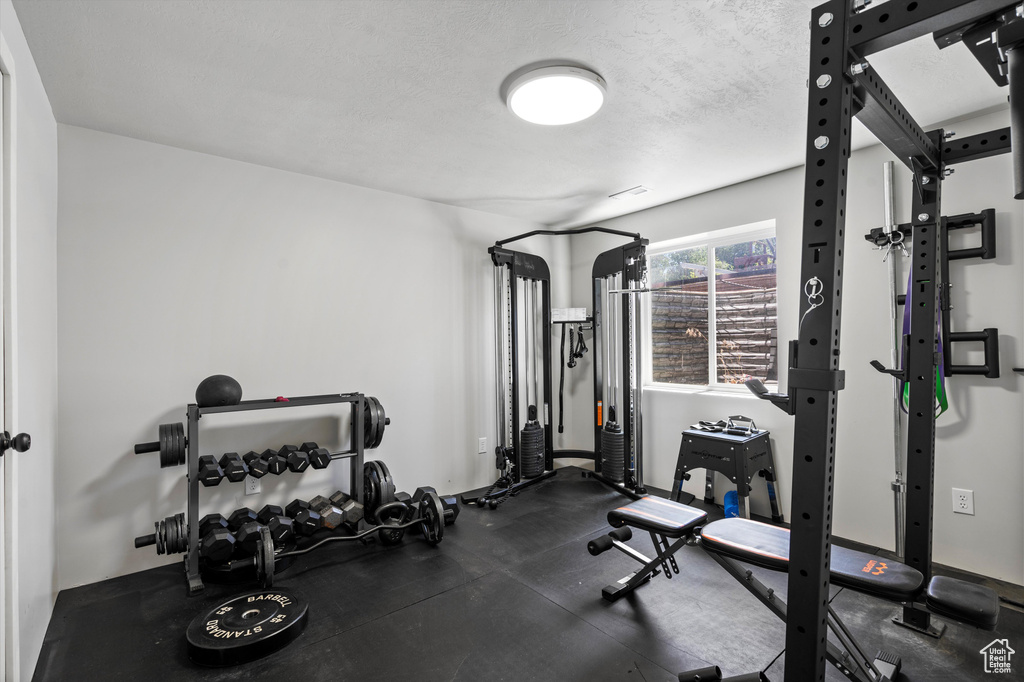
613,452
531,450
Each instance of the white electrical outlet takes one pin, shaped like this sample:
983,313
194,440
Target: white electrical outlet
253,485
481,447
963,501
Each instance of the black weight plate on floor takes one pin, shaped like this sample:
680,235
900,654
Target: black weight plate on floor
265,558
432,518
245,628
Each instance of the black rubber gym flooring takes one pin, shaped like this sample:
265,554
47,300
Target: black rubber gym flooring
510,594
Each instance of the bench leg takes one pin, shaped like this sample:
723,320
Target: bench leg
651,567
772,498
846,661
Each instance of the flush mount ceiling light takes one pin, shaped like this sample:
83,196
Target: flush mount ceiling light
556,95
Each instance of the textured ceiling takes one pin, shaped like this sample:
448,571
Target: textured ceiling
403,95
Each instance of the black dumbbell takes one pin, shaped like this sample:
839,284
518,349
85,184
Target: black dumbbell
306,520
330,516
217,545
210,472
268,512
240,517
277,463
320,458
449,502
402,496
451,508
352,511
282,530
247,536
234,467
211,521
298,461
294,506
257,465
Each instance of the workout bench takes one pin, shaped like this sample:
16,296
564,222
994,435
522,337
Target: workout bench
730,541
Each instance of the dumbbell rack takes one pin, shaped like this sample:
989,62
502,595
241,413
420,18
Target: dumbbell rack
195,413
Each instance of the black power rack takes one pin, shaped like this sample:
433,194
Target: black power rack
841,85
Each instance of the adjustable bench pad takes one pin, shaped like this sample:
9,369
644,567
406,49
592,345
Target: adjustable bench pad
658,515
768,546
962,601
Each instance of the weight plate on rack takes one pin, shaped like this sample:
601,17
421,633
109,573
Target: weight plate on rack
169,536
382,419
179,428
371,488
265,558
245,628
432,518
167,445
370,423
387,488
171,442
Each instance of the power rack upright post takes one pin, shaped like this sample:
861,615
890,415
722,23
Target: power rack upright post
619,277
842,85
524,451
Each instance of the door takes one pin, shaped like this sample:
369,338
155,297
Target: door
6,628
5,625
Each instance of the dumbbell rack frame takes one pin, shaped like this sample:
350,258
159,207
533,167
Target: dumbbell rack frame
195,413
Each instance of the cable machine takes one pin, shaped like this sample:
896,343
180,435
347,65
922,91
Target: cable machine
524,451
619,277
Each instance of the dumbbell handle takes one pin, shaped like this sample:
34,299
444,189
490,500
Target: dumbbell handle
143,448
145,540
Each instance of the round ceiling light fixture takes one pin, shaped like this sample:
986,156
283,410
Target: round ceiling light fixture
556,95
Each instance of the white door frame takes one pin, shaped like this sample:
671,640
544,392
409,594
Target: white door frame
10,658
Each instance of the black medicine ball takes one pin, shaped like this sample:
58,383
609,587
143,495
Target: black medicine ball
217,390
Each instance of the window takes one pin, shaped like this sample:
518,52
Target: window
713,308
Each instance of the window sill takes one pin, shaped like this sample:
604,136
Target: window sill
739,391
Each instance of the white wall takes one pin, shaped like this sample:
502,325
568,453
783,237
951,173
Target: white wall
176,265
32,353
978,441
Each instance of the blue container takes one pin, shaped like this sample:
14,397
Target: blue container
731,506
